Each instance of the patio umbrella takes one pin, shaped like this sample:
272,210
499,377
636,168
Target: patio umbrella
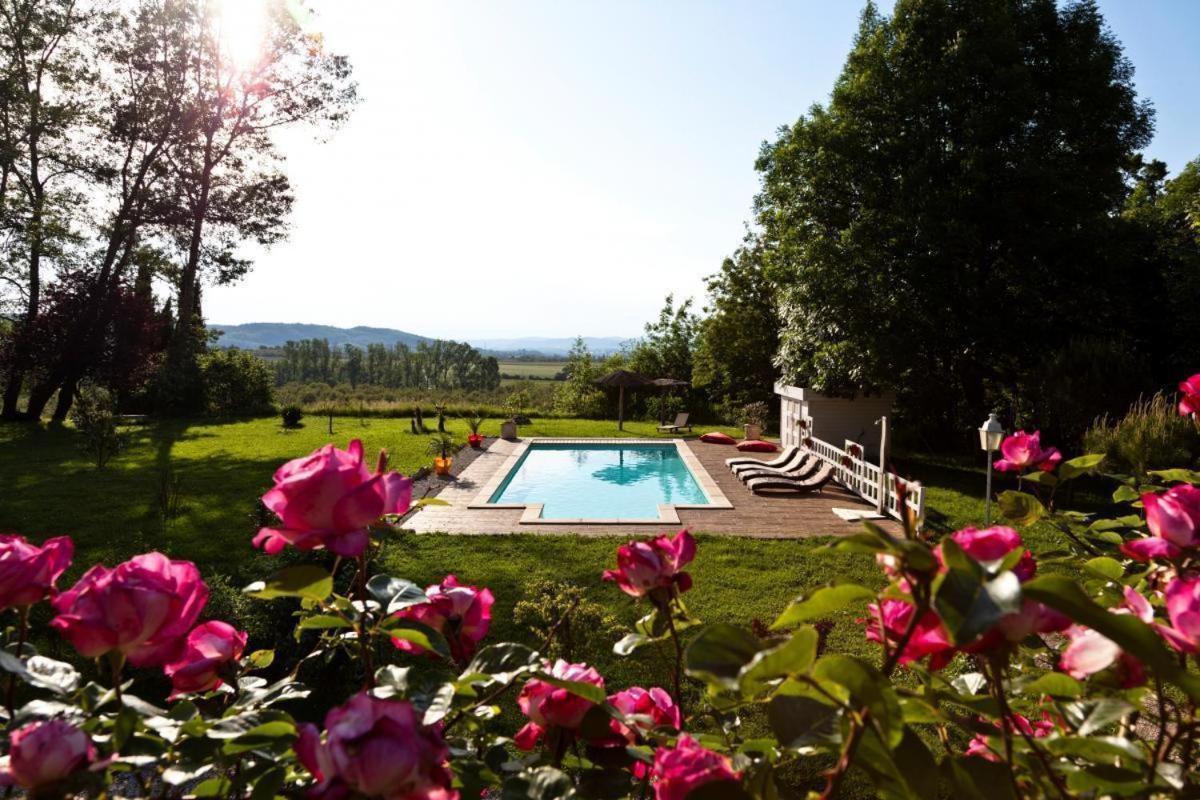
666,384
622,378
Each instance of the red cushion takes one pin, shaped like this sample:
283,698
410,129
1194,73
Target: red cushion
716,437
757,446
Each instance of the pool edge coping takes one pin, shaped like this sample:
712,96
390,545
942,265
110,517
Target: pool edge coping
667,512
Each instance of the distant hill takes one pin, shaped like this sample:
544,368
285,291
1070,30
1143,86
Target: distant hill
599,345
253,335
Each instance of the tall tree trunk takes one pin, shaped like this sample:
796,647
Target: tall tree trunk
66,396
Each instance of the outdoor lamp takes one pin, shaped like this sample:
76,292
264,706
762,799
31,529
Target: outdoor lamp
991,433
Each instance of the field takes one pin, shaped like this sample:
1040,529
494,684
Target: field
534,370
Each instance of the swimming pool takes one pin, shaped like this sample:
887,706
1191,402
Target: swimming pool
611,481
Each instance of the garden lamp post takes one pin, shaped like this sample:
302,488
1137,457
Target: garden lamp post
990,435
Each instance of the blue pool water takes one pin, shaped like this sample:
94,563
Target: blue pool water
600,481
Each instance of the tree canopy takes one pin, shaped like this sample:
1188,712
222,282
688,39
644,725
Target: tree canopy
956,207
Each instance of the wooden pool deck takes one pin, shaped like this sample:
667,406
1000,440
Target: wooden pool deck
753,516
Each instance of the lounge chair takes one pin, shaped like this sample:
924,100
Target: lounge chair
681,422
798,459
781,485
783,459
806,468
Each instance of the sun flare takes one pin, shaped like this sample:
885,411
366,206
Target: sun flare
241,29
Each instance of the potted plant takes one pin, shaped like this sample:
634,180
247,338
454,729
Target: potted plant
754,417
508,428
441,445
475,438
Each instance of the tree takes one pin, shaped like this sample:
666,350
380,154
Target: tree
666,349
227,178
954,207
738,336
45,74
578,395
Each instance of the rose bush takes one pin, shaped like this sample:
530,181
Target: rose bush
993,679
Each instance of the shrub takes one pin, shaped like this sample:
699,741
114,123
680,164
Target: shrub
573,399
236,383
1151,435
755,413
291,416
95,417
565,623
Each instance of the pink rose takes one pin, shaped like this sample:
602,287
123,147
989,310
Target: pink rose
679,771
982,747
1024,451
991,545
376,748
643,567
142,608
42,754
28,572
208,648
549,706
1089,652
929,638
329,499
1183,609
460,613
644,711
1189,403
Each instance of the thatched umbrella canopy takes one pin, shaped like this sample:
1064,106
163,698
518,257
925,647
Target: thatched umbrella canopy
666,384
623,378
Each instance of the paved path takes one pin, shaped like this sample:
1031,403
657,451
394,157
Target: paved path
751,515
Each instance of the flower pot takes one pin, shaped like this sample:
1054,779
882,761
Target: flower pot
442,465
475,440
508,430
752,431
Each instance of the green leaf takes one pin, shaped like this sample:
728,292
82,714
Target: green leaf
1054,684
429,501
630,642
867,687
391,681
280,734
323,622
1177,475
968,602
542,783
1125,494
1041,478
793,657
1020,508
718,654
260,659
1080,465
1097,749
304,581
419,634
800,721
1126,630
503,662
822,603
394,594
976,778
1105,567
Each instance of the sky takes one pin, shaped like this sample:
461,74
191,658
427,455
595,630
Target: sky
549,168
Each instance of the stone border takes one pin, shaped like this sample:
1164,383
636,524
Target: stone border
667,512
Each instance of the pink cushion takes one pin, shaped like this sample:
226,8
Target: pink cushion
757,446
716,437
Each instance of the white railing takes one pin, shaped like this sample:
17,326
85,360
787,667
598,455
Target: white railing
864,479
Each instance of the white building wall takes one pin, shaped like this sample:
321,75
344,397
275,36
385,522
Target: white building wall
832,419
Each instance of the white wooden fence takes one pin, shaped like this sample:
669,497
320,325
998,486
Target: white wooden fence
865,479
